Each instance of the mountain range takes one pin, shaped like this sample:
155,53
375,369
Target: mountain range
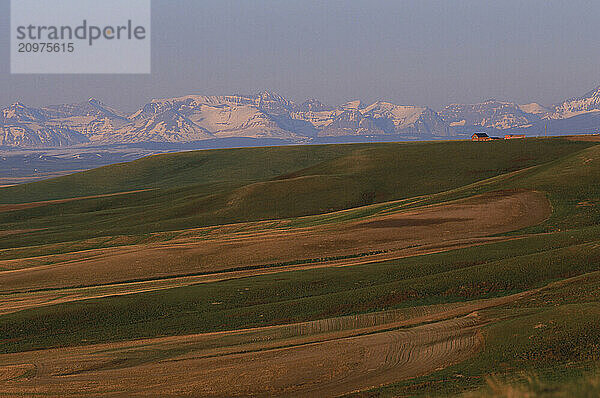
268,115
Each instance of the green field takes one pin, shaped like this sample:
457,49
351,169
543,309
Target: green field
236,185
302,187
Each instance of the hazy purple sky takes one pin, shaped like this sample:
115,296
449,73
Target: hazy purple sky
409,52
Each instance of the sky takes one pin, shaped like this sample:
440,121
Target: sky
422,52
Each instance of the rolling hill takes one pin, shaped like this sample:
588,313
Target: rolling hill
238,185
366,270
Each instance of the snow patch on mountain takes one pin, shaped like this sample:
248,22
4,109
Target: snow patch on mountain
491,113
269,115
535,108
589,102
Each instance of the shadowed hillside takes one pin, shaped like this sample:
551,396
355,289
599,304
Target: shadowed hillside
213,187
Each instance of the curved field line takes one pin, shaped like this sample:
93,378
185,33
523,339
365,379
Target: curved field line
317,358
14,302
326,365
407,233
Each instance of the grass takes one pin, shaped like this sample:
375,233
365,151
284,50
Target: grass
541,346
584,384
570,183
545,344
476,272
224,186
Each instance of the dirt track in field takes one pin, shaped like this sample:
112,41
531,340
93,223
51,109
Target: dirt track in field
330,357
376,238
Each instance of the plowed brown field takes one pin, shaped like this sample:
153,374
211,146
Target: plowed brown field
330,357
382,237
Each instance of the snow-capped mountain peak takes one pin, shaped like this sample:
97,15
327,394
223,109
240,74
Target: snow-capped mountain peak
595,93
19,112
313,105
270,115
272,96
589,102
352,105
17,105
